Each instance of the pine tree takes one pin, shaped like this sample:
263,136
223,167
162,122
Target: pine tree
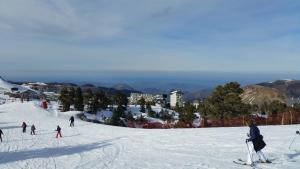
148,107
88,99
94,105
142,103
103,100
72,95
121,101
65,101
187,114
129,116
115,119
78,100
225,102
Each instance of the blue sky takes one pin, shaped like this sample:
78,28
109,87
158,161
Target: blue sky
173,35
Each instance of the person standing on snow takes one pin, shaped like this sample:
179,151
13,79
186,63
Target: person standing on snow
1,133
24,125
32,130
258,144
58,129
72,121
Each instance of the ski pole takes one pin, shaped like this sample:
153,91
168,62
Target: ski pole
293,141
249,152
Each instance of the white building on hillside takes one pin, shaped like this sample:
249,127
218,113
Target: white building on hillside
176,98
159,98
135,97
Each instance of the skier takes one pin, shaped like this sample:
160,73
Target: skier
72,121
32,130
258,144
58,132
24,125
1,133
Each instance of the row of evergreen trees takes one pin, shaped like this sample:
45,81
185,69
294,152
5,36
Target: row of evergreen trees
92,102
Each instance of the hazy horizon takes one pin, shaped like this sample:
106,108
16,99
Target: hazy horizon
162,80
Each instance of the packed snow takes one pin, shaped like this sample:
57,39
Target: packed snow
90,145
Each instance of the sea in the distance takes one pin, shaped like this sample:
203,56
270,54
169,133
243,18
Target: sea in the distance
161,80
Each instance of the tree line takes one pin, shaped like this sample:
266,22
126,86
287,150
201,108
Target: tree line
92,102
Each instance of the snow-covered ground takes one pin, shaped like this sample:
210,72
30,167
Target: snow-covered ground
97,146
101,116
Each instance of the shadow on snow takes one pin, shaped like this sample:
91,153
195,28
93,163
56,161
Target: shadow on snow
9,157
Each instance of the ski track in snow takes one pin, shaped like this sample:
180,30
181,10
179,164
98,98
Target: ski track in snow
96,146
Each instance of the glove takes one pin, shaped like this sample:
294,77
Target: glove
247,140
297,132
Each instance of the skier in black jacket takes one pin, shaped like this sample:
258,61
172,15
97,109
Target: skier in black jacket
24,125
258,144
58,129
1,133
72,121
32,130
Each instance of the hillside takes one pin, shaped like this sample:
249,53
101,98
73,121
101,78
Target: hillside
6,86
255,94
289,87
94,146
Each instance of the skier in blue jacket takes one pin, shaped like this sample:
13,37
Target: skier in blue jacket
258,144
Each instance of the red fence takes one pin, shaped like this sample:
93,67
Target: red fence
285,118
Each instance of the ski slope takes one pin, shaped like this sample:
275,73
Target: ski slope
96,146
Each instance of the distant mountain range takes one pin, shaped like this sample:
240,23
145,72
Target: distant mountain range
286,91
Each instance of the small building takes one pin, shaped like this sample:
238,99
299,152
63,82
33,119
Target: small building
159,99
176,98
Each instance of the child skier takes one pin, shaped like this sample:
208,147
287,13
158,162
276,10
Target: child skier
24,125
58,132
32,130
72,121
258,144
1,133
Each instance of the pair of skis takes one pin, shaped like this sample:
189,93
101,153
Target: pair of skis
243,162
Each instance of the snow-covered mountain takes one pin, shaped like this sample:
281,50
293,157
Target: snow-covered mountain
96,146
9,87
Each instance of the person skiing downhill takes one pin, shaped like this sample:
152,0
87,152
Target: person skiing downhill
258,144
24,125
1,133
32,130
72,121
58,129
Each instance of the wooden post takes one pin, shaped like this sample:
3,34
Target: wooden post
282,119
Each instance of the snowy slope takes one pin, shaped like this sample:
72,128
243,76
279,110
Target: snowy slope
6,86
90,145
